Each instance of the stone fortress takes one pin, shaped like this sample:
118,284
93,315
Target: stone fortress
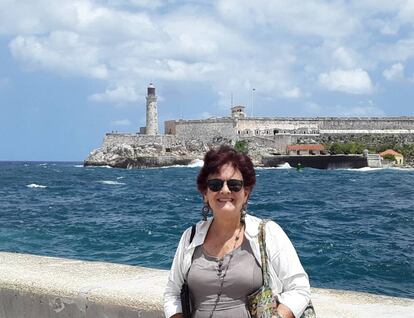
186,140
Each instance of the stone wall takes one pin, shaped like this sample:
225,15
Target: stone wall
370,140
267,126
137,140
49,287
203,130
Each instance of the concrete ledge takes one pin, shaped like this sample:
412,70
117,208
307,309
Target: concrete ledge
48,287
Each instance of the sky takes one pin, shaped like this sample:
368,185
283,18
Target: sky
71,71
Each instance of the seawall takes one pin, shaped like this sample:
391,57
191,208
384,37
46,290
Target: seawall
49,287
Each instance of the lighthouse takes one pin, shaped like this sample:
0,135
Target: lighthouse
152,116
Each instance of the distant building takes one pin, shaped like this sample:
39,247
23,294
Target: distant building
305,149
399,158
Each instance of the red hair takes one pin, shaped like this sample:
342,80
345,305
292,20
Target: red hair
216,158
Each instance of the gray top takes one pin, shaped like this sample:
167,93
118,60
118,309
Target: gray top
243,277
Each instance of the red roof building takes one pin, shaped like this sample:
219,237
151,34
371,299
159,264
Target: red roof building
399,158
305,149
390,152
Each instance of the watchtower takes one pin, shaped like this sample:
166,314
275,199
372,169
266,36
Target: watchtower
238,112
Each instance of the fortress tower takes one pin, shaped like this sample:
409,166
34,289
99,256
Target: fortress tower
152,116
238,112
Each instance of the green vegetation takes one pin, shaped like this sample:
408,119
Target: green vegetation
389,157
346,148
241,146
407,150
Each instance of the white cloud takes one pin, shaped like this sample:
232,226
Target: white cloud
395,72
362,109
277,47
344,57
121,122
119,94
359,111
355,81
402,50
61,52
293,93
315,18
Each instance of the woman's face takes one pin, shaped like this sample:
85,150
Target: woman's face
226,203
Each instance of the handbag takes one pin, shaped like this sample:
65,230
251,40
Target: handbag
262,303
185,291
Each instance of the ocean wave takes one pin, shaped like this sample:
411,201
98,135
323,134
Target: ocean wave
109,167
368,169
401,169
110,182
78,166
265,168
194,164
34,185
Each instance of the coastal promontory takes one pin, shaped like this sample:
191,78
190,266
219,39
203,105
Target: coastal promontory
184,141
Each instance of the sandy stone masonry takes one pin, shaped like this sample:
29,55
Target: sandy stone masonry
48,287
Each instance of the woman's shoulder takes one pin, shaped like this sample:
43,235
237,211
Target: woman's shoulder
195,232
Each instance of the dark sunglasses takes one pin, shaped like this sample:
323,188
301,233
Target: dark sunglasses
216,185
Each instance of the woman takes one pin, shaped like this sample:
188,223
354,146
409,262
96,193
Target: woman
222,264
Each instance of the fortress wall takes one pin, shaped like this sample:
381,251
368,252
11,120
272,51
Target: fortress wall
205,130
271,124
369,139
330,124
395,123
50,287
277,143
169,127
230,128
113,139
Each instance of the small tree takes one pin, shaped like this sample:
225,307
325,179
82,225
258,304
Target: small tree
389,157
241,146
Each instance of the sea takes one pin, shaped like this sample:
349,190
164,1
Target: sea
352,229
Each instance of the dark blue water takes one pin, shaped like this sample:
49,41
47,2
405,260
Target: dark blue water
353,229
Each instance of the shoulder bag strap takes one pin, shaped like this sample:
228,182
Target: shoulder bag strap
193,230
263,254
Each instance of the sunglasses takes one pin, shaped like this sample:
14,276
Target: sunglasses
216,185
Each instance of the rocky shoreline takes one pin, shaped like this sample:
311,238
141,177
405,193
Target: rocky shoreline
128,157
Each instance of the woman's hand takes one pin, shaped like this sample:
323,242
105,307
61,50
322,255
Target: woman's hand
283,312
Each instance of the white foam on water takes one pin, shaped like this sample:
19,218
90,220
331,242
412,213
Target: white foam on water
193,164
365,169
401,169
34,185
43,164
118,178
264,168
284,166
78,166
110,182
98,167
196,163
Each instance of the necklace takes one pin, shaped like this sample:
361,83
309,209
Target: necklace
219,271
